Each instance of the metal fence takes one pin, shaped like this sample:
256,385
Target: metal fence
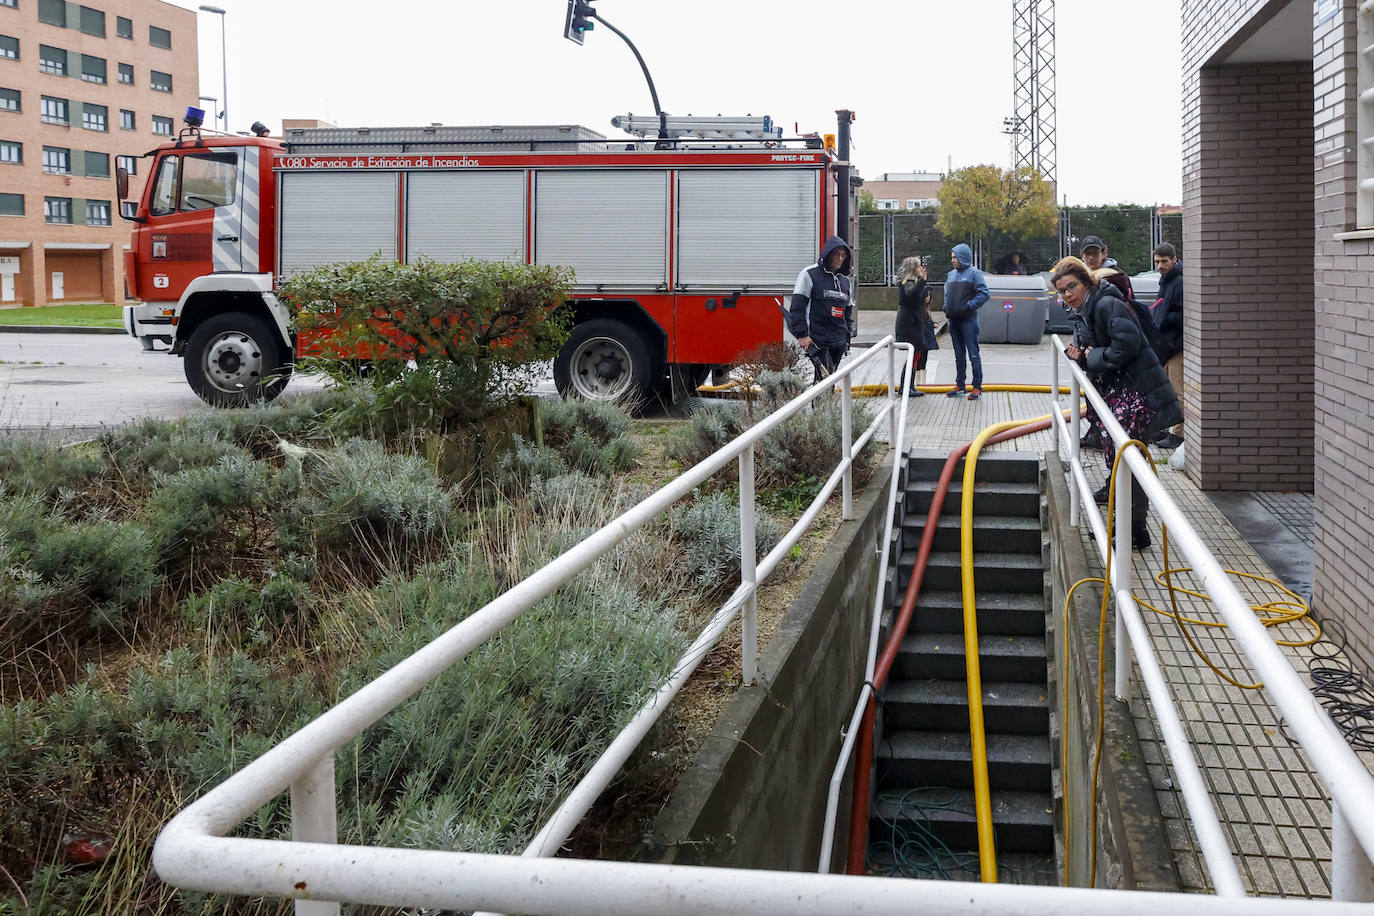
1131,233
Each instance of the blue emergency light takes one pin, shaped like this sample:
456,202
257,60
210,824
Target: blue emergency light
194,116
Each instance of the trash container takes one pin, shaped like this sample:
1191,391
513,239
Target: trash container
1016,310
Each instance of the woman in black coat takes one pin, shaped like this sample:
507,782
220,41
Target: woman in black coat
914,324
1114,347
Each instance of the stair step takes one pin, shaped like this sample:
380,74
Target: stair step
1020,659
1003,467
1022,821
994,498
930,758
930,705
996,572
995,534
999,613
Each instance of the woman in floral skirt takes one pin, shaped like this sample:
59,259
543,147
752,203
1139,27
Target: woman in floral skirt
1115,348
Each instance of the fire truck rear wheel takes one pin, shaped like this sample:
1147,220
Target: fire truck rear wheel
234,360
604,360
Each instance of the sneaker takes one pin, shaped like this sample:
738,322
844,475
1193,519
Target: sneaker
916,393
975,394
1169,441
1140,536
956,392
1093,440
1100,497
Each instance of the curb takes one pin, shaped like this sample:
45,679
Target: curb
57,329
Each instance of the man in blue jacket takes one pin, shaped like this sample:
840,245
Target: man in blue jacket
822,313
965,293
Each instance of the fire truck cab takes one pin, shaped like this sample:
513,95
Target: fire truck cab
682,248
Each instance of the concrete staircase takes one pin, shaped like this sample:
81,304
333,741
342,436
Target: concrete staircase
923,755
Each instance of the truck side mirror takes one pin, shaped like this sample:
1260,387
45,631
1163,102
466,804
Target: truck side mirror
122,182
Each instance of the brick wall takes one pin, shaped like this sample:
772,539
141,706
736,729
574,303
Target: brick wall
1223,108
1343,577
1248,317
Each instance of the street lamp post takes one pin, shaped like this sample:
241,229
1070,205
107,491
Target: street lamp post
224,66
214,106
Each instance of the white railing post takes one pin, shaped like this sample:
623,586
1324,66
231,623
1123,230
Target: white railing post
1075,399
847,445
1121,575
1352,875
315,819
748,569
892,391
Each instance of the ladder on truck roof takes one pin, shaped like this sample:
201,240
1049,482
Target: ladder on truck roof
700,128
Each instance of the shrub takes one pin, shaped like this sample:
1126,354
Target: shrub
592,436
709,529
223,508
44,469
482,321
360,489
708,431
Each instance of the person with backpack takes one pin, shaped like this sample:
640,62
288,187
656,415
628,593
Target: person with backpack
965,293
1114,347
914,324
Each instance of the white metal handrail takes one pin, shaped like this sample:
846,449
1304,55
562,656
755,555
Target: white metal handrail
193,852
1348,781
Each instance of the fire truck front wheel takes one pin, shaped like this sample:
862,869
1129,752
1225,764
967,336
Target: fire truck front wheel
604,360
233,360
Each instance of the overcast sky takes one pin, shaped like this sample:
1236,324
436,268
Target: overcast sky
929,82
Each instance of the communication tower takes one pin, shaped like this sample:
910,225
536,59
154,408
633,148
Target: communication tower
1031,126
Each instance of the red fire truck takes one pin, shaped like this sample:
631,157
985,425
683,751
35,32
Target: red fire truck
680,247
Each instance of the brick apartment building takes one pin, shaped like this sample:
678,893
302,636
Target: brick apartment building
83,90
1279,271
904,190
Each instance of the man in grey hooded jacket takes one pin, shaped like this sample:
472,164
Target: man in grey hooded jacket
965,293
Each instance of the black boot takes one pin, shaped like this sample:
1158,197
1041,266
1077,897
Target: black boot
1092,440
1140,535
1100,497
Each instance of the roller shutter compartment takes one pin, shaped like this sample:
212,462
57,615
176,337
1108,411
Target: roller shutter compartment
329,217
453,216
746,227
610,226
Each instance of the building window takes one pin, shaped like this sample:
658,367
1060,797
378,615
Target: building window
57,160
124,28
54,111
92,22
11,152
53,12
128,208
159,38
127,163
162,125
160,81
92,69
126,74
97,164
97,213
52,60
58,210
95,117
126,119
9,47
10,100
887,203
13,4
11,204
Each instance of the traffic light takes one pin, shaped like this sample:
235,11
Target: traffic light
579,21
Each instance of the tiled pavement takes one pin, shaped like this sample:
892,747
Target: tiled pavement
1270,801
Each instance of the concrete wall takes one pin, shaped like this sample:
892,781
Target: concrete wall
755,795
1132,849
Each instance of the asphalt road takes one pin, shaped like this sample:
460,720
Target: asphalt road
72,384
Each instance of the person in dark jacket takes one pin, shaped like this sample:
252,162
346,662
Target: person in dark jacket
822,313
1116,351
965,293
914,324
1167,313
1095,256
